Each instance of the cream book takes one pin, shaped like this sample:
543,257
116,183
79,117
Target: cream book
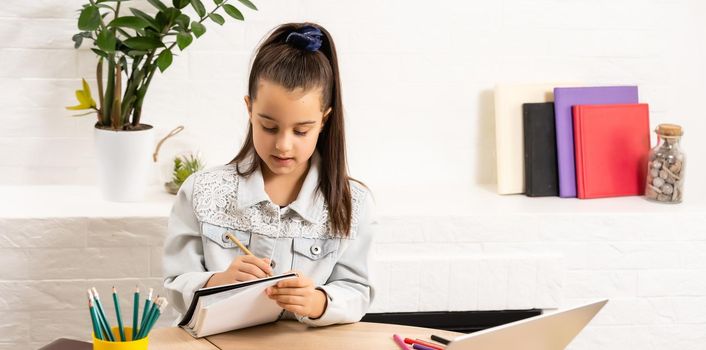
509,139
233,306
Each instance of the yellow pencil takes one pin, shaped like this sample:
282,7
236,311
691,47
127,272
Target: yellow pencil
240,245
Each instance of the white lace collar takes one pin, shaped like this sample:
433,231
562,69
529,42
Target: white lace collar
222,197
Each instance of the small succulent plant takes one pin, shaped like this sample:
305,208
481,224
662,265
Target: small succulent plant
184,166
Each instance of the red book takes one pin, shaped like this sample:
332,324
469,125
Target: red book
611,147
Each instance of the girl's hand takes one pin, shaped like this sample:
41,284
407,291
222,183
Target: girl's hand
243,268
298,295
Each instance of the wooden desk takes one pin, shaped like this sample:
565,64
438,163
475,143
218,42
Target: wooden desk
292,335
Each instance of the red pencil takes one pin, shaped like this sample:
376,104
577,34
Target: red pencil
422,342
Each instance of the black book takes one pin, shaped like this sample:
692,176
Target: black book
541,174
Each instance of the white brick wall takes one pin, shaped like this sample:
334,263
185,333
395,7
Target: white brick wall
435,66
446,58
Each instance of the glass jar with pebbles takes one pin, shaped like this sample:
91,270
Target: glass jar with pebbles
665,169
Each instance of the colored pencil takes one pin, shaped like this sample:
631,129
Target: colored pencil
94,320
439,339
400,342
145,321
101,313
135,311
148,303
118,314
101,325
240,245
422,342
162,304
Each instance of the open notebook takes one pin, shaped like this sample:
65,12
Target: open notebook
233,306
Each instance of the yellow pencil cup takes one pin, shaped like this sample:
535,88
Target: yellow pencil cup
140,344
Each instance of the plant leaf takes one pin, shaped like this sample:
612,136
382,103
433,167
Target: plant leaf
143,43
78,39
217,18
89,19
183,21
248,4
106,41
198,28
180,4
100,53
146,17
198,6
85,100
133,22
218,2
87,92
233,12
164,60
183,40
158,4
82,98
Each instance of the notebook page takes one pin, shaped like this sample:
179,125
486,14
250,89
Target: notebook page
249,307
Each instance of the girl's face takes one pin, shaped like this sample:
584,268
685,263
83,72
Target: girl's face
286,125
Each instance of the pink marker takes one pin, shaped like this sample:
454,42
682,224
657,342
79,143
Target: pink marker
400,342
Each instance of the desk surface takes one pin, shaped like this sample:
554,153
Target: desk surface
292,335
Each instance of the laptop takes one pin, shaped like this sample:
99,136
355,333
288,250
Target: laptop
551,331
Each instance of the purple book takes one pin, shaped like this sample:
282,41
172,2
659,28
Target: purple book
564,99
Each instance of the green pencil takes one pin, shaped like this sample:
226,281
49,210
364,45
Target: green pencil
118,315
101,313
94,320
135,311
150,313
148,302
154,316
102,327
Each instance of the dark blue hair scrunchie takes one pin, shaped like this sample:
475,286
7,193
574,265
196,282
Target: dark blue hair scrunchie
307,38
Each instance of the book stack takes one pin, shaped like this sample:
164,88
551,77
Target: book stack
568,141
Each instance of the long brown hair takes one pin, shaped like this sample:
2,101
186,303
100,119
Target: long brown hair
293,67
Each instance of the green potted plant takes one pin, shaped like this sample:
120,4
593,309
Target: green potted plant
184,165
131,46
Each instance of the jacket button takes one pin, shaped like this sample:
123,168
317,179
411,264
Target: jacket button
225,238
273,264
315,249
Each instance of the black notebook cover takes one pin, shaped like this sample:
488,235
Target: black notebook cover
541,174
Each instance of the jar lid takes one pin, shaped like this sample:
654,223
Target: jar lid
669,130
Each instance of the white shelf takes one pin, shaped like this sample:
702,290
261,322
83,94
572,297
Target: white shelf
86,201
484,200
77,201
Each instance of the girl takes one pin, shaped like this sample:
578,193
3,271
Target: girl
286,195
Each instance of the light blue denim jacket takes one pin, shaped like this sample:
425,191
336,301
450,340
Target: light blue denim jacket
298,236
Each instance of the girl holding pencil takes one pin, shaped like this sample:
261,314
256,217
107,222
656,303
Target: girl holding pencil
286,196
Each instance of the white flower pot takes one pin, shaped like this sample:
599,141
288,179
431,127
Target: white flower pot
124,160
